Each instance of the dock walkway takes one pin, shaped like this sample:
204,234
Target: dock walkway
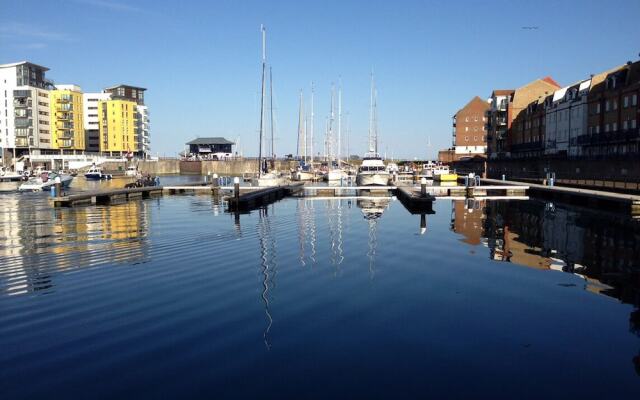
626,203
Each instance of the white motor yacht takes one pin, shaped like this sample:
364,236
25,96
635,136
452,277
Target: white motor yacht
45,181
372,172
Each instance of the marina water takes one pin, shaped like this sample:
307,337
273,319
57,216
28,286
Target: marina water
317,298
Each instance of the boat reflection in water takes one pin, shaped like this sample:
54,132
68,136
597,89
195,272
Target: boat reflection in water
50,241
372,209
602,249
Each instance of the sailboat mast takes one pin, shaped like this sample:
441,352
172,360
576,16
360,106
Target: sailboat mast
301,139
311,128
273,150
264,63
339,121
330,127
371,116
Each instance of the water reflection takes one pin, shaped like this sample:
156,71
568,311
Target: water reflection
37,241
372,209
268,265
602,249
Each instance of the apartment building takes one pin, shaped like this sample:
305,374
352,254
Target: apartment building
66,112
469,129
142,144
91,119
613,114
25,124
118,121
498,121
529,130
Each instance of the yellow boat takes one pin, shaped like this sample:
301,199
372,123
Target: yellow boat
446,177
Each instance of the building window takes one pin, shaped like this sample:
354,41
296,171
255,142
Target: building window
614,126
598,108
634,100
633,124
624,124
606,127
625,102
615,104
597,128
590,130
466,138
607,105
466,129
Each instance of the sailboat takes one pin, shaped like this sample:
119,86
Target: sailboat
335,172
266,177
372,172
305,170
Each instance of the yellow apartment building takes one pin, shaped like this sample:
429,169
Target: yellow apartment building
118,124
66,116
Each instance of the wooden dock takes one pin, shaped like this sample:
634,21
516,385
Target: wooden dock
109,196
415,201
259,197
626,203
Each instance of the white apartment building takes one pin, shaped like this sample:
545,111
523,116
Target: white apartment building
143,130
91,120
566,119
24,110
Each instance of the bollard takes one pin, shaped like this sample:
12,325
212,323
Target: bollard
58,187
236,189
504,177
423,224
423,187
215,184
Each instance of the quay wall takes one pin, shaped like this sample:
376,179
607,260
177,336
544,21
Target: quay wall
622,173
174,167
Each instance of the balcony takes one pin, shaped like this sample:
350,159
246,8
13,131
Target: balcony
65,135
64,107
609,137
65,98
22,94
21,102
501,120
22,142
64,125
23,123
64,116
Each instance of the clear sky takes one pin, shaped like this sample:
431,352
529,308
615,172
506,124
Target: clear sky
200,60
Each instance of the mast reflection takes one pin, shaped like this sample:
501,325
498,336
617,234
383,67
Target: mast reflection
267,242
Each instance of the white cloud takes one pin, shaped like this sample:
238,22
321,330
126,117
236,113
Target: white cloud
111,5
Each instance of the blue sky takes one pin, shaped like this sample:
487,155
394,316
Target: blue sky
200,60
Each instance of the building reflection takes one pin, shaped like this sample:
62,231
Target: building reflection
36,241
600,248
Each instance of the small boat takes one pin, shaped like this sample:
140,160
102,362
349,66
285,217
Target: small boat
269,179
10,176
45,181
132,170
442,173
303,173
95,174
337,174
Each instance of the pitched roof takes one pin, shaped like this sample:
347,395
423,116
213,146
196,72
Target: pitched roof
502,92
210,140
550,80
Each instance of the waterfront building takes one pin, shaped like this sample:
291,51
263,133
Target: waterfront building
210,148
506,106
91,120
498,121
613,115
469,129
529,130
66,112
24,112
142,142
118,121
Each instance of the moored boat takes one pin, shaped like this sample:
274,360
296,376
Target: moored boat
45,181
95,174
372,172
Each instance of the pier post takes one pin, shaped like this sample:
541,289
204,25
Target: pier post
236,189
215,185
423,187
58,185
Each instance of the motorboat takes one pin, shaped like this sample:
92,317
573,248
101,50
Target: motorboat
372,172
132,171
95,174
442,173
10,176
337,174
45,181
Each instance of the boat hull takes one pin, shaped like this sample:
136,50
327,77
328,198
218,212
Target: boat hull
445,177
336,175
375,179
303,176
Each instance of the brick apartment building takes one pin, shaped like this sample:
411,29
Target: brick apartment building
469,129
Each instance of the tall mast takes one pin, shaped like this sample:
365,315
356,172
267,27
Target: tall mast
330,126
302,142
371,147
339,121
273,150
311,127
264,63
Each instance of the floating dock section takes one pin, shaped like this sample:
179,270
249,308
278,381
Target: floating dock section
415,201
106,196
259,197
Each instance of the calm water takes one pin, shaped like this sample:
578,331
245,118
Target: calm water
174,297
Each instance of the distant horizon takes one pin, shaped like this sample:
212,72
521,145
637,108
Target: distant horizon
200,62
